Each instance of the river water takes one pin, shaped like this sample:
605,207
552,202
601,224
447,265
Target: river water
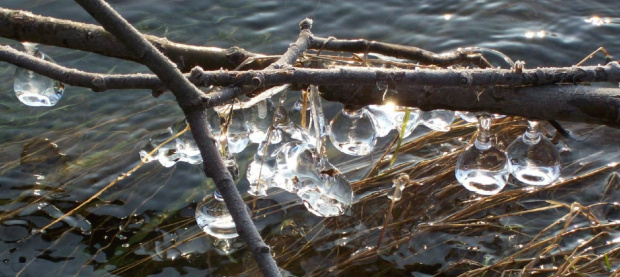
51,159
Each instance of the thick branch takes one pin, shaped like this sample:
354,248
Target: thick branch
25,26
186,94
424,77
348,75
555,102
458,93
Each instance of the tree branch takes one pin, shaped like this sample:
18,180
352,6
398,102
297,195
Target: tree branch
25,26
186,95
465,90
421,77
96,82
285,61
344,75
397,51
555,102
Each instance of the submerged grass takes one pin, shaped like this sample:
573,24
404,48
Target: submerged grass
437,228
578,241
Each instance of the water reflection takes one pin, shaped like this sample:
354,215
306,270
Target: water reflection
598,21
98,131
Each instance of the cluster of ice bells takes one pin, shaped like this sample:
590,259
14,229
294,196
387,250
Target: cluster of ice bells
484,168
292,157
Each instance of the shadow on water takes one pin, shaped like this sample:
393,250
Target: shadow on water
53,159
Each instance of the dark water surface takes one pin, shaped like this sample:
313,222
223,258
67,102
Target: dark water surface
53,158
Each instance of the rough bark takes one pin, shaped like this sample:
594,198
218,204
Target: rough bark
554,102
405,77
186,95
280,74
25,26
466,90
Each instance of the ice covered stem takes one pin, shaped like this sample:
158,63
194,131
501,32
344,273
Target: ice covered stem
173,145
323,189
33,89
396,193
482,167
534,160
398,185
483,140
318,119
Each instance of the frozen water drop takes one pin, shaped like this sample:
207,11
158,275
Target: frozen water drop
473,117
238,132
259,120
438,120
398,185
34,89
467,116
412,120
482,167
260,176
327,196
382,118
213,218
352,132
534,160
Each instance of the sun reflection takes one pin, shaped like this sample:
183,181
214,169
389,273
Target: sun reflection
538,34
447,16
389,104
598,21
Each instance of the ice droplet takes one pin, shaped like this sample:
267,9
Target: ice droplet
34,89
482,167
352,132
438,120
534,160
398,185
213,218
